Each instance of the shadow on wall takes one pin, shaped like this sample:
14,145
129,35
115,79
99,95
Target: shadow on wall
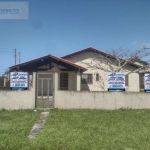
84,87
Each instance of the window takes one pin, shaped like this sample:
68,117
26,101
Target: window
63,81
97,77
86,78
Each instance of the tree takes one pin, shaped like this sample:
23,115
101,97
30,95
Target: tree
116,59
6,73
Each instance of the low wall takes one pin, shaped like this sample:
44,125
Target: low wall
17,99
101,100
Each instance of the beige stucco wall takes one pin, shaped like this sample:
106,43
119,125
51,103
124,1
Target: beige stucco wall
87,57
133,81
102,100
18,99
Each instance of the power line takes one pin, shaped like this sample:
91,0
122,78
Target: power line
6,51
7,48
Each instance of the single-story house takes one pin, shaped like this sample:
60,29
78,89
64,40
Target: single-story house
77,66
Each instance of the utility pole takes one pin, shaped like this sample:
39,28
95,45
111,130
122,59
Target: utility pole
19,57
15,55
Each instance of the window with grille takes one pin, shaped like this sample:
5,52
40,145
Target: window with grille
87,78
63,81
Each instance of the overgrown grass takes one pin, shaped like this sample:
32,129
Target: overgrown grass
78,130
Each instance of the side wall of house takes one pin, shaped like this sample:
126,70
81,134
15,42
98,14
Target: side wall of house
87,58
18,99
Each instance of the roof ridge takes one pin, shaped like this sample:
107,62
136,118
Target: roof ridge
88,48
95,50
77,51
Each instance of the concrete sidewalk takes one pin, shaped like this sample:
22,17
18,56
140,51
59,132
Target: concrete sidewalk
38,126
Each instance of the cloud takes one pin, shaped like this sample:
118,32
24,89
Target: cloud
134,42
146,45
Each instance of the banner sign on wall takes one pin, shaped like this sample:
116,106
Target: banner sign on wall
147,82
18,80
116,81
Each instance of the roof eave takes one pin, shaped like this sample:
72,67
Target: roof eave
51,56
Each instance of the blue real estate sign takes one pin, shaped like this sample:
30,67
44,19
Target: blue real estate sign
18,80
147,82
116,81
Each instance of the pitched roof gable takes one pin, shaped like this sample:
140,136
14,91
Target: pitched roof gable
46,58
96,51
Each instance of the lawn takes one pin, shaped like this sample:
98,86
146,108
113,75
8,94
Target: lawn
15,127
80,129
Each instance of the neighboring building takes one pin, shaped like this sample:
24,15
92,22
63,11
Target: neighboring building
74,72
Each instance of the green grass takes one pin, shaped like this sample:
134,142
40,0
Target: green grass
77,130
15,127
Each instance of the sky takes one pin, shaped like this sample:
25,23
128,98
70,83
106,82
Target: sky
60,27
